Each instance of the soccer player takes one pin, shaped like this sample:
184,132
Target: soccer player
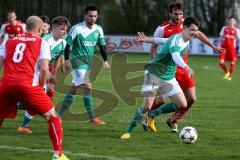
46,25
57,44
83,37
165,30
12,27
26,70
228,36
160,75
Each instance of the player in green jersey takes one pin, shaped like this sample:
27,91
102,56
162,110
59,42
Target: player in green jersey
57,44
83,37
160,75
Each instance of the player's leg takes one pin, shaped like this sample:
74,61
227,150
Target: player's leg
50,85
68,100
88,103
148,91
1,121
24,127
190,95
39,103
232,67
223,65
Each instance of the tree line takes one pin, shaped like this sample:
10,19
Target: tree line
127,16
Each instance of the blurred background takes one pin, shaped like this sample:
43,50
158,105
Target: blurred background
126,17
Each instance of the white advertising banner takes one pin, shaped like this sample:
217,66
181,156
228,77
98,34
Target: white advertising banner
130,44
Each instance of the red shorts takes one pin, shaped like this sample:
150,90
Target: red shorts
230,55
34,100
184,80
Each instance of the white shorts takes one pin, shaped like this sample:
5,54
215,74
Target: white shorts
80,76
166,88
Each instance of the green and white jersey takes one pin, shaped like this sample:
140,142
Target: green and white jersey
83,41
163,66
57,47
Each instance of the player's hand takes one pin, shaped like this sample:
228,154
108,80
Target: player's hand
219,49
189,72
68,65
141,37
106,65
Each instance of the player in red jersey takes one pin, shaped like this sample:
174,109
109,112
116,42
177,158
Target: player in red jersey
228,36
25,59
12,27
165,30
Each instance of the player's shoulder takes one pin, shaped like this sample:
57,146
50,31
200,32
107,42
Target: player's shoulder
47,37
165,23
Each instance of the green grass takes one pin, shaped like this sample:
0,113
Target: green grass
215,115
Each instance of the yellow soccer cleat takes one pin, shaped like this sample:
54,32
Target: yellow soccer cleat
151,124
229,78
63,157
226,76
126,136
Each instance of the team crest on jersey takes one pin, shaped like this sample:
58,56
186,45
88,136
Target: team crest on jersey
18,29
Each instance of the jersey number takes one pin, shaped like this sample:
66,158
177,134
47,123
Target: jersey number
18,54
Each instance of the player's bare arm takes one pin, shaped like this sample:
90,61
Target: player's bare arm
142,38
44,71
202,37
1,62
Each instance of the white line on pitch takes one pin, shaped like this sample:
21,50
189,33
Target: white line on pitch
66,152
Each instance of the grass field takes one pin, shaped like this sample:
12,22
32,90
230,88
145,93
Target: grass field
215,115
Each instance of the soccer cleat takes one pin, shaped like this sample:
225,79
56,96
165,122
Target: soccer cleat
172,126
25,129
226,75
96,121
126,136
229,78
63,157
151,124
145,125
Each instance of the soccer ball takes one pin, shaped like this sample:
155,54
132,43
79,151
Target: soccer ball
188,135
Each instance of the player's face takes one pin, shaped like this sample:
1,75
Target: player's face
91,17
176,15
190,32
59,31
45,28
232,22
11,17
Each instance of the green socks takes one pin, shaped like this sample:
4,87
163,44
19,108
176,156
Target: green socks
137,117
67,102
88,103
27,119
166,108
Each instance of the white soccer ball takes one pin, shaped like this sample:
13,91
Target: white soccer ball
188,135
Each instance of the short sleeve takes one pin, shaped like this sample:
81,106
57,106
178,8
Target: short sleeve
101,40
3,51
222,32
71,35
45,52
2,31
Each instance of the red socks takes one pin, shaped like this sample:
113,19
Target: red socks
56,134
223,66
180,113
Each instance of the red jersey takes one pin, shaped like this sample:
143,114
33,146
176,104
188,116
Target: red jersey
166,30
12,30
22,54
229,36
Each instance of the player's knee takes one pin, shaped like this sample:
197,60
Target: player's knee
233,62
191,99
50,114
221,61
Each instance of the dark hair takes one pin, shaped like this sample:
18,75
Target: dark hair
45,19
175,5
231,17
60,20
11,11
90,8
190,20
